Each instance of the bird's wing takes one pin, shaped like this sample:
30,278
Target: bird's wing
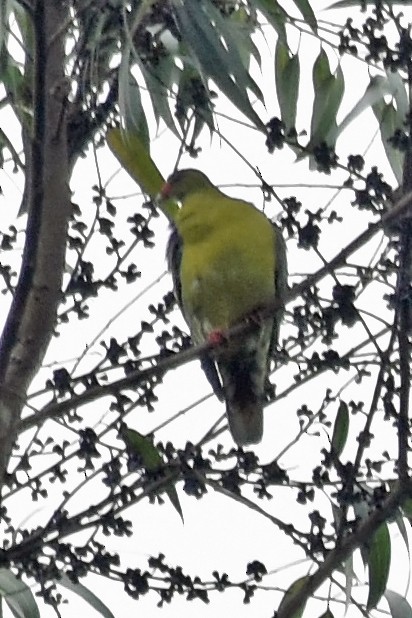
281,285
174,259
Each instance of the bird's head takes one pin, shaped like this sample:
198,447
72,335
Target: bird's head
184,182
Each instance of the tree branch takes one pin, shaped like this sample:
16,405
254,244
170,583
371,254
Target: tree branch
58,409
363,532
31,319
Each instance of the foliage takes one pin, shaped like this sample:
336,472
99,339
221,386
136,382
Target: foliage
89,440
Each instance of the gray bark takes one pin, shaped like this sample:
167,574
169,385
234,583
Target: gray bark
32,316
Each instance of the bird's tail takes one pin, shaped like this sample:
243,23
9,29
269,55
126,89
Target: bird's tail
246,423
243,382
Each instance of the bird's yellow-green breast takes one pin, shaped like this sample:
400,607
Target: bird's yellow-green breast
228,261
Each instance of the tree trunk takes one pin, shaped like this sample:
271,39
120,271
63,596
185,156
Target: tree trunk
32,316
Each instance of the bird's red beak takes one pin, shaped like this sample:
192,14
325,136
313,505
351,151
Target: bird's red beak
166,190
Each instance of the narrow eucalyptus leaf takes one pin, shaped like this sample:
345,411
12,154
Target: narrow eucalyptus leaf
328,89
232,41
158,82
376,89
275,15
287,75
130,103
379,561
152,460
307,13
18,596
398,605
294,589
86,594
340,429
214,59
389,121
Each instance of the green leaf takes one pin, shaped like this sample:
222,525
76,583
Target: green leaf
398,89
407,508
340,429
244,26
275,15
159,77
24,20
328,89
232,41
189,82
130,103
158,83
18,596
398,605
142,446
4,19
5,142
375,91
307,13
11,76
86,594
295,588
389,121
379,560
17,88
214,59
152,460
287,74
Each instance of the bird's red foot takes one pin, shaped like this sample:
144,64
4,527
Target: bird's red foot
216,337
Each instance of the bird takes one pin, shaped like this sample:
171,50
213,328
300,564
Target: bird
227,262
